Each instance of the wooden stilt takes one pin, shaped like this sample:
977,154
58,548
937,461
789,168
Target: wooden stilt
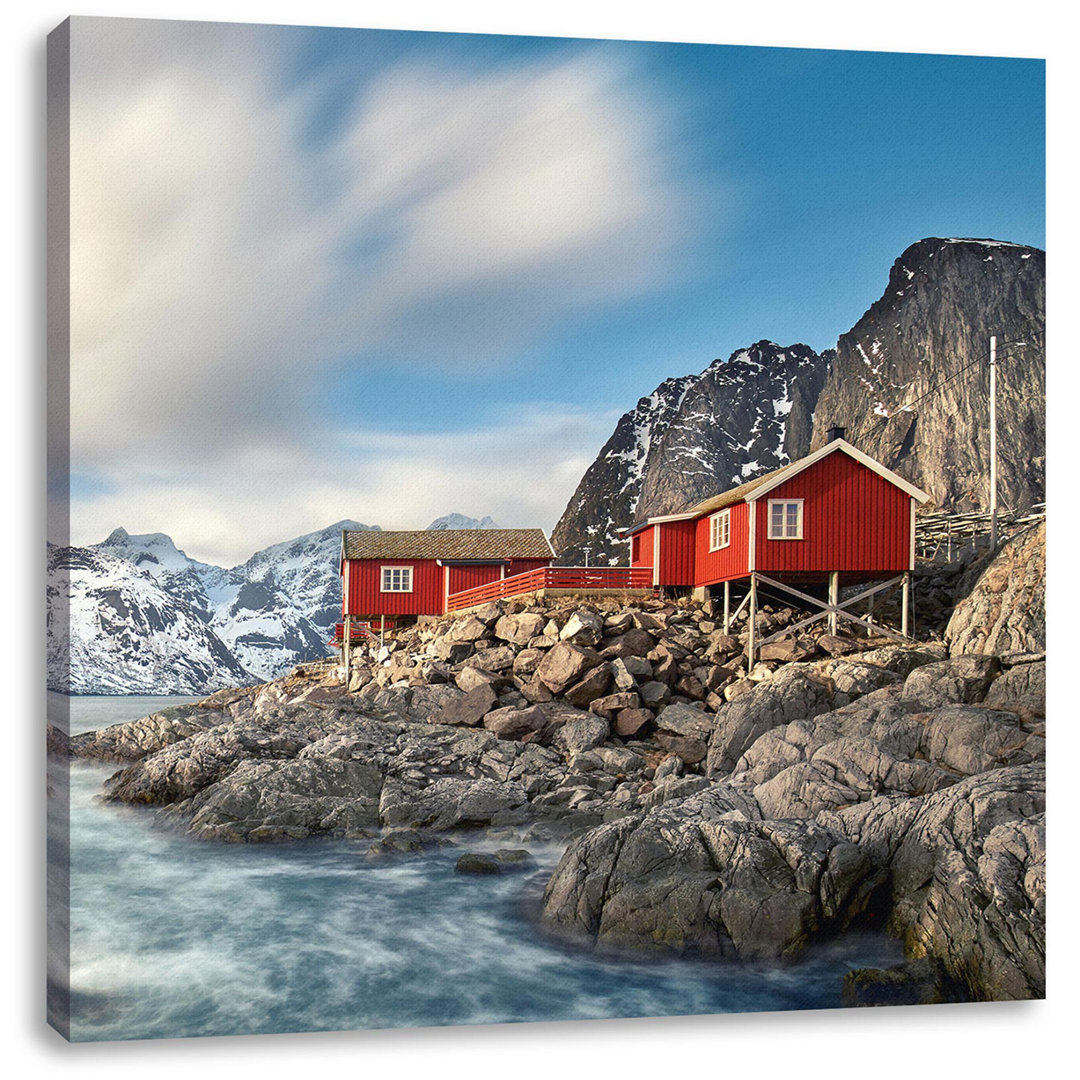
348,650
727,607
752,643
905,606
834,598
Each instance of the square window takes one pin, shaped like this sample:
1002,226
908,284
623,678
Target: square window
397,579
785,519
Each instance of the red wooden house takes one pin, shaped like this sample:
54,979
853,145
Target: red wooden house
391,577
830,520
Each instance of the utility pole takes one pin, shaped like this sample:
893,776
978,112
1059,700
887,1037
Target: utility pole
586,549
993,444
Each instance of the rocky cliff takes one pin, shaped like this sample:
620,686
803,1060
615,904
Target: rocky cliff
910,380
691,437
1006,610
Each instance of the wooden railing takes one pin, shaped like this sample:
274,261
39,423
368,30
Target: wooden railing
584,578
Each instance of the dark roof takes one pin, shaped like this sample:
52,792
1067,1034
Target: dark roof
737,494
448,544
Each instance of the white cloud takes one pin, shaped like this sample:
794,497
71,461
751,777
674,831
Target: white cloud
521,471
225,259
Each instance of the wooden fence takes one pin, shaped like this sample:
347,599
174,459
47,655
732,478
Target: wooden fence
574,578
945,535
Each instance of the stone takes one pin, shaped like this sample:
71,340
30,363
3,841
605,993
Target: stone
794,693
497,659
1006,609
622,676
452,652
519,629
566,664
788,650
689,748
963,679
527,661
584,627
683,719
468,629
612,703
738,688
633,643
477,863
594,685
579,735
469,678
469,709
536,692
631,721
835,645
654,694
511,722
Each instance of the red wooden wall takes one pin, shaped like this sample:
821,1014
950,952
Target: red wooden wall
523,566
677,552
853,520
729,562
644,540
468,577
365,597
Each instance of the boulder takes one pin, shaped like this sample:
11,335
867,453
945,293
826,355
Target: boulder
468,629
584,627
579,735
654,694
702,875
519,629
630,721
788,650
470,678
594,685
511,722
469,709
565,664
527,661
610,704
474,862
497,659
633,643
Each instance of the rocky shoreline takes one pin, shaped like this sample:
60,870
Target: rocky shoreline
707,810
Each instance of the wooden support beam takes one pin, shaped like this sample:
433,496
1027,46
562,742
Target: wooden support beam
834,596
905,606
751,644
727,607
348,650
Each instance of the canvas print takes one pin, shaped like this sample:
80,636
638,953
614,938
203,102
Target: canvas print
539,529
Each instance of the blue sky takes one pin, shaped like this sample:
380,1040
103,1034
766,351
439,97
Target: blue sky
383,275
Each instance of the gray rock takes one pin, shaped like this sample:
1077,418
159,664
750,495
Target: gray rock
1006,610
579,735
963,679
468,709
794,693
631,721
473,862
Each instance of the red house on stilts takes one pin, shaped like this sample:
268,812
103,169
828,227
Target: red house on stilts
833,519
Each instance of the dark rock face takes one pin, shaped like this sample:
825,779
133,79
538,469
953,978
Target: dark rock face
943,301
690,438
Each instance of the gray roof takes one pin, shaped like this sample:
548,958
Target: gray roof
491,544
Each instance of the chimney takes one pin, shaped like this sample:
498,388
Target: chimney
834,433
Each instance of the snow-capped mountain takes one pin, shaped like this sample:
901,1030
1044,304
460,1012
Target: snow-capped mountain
272,611
460,521
692,437
112,628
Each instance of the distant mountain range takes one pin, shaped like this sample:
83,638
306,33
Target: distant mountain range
909,382
146,618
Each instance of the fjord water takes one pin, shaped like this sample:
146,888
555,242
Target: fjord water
173,937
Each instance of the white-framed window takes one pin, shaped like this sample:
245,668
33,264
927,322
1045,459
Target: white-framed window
720,530
785,519
396,578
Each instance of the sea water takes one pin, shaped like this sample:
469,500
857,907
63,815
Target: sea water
175,937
